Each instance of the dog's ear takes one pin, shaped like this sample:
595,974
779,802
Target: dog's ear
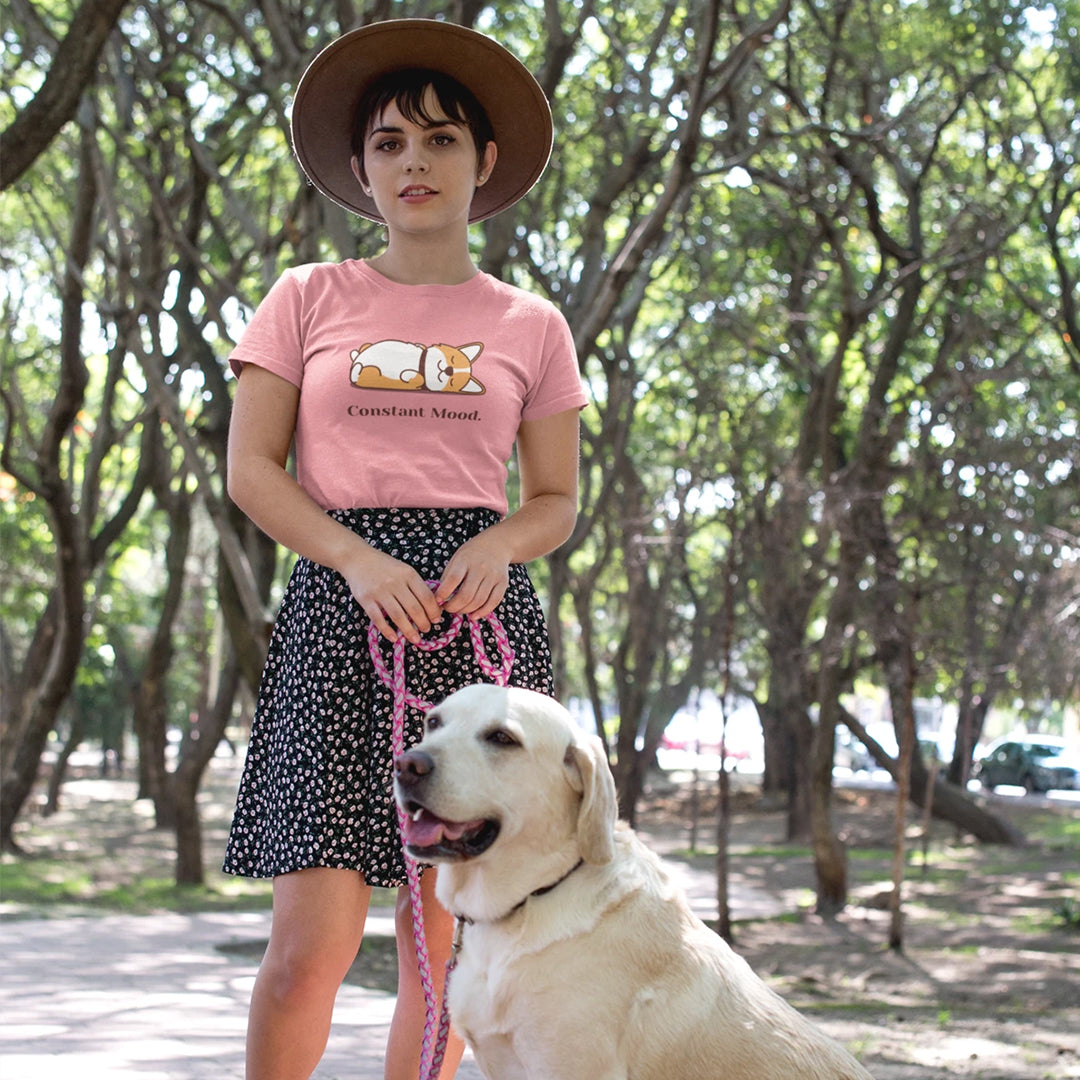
591,776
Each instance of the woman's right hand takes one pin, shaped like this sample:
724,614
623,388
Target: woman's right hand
261,431
393,595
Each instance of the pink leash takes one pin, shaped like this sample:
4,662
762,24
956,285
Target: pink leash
434,1045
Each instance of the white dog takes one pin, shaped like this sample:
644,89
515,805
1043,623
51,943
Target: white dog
578,958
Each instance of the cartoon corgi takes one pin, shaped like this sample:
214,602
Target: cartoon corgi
399,365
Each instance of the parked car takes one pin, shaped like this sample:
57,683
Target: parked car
1033,762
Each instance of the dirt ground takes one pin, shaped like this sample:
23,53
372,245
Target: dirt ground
988,981
987,984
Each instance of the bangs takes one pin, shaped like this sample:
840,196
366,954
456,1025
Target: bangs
411,102
408,90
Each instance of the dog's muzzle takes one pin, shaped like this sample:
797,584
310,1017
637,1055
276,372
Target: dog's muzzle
426,835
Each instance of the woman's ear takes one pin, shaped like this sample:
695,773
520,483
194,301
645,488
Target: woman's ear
487,163
358,171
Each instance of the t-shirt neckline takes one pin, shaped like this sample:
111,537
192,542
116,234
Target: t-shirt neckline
387,284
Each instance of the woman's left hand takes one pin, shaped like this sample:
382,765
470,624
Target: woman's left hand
476,578
478,575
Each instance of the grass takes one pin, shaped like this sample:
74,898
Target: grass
102,853
33,886
1067,910
40,885
1056,830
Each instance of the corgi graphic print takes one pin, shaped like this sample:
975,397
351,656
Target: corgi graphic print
401,365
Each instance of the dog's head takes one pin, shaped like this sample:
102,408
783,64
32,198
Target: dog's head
505,768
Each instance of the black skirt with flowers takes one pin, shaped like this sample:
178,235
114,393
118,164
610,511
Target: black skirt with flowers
317,786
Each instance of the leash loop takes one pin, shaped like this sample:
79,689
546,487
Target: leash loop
435,1038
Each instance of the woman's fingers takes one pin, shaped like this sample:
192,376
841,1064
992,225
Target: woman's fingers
395,598
475,579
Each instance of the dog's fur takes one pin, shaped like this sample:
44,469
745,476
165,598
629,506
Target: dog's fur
607,975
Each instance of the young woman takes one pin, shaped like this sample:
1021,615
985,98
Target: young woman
405,381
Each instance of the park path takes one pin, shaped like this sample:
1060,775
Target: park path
164,997
154,997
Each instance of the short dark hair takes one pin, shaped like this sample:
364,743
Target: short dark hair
406,89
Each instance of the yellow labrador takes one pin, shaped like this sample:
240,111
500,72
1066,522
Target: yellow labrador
579,959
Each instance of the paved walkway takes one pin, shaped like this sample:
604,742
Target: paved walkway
157,998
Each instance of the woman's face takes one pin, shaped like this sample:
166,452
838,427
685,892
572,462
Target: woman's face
422,176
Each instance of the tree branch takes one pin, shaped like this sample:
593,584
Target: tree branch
71,71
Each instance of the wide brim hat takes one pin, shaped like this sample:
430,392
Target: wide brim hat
329,91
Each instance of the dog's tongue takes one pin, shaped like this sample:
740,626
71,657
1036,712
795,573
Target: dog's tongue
428,831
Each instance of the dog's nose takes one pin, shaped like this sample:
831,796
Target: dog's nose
411,766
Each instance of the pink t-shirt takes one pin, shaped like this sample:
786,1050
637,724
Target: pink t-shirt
410,395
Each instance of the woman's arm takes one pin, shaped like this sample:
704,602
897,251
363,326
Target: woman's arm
476,577
260,435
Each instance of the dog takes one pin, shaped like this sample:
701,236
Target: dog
403,365
577,958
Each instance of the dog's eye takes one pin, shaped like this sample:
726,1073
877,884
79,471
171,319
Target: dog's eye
433,721
499,737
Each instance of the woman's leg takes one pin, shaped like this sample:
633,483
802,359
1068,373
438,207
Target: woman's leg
407,1028
318,923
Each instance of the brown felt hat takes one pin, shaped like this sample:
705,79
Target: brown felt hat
330,89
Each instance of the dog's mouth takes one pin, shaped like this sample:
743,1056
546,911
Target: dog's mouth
428,836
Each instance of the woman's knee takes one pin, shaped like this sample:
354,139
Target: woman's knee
317,928
295,976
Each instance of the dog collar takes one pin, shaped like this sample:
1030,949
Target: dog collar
543,891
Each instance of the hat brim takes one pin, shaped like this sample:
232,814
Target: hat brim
329,91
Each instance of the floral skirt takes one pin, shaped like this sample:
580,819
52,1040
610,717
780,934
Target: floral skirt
317,788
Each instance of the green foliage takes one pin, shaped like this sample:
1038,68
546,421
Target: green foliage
856,293
1068,911
59,886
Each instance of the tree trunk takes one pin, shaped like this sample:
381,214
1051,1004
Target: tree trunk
801,780
151,700
629,777
42,703
38,703
250,640
951,804
558,577
787,593
906,740
830,858
198,751
723,836
58,773
789,733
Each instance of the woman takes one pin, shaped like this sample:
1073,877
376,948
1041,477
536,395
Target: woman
405,382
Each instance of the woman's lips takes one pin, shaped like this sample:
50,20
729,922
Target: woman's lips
416,194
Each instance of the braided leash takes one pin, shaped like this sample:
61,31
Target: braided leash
435,1037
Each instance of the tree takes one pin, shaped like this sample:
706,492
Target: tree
55,102
876,227
820,271
44,459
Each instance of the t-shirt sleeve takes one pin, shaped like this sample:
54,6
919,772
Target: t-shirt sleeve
558,386
273,338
